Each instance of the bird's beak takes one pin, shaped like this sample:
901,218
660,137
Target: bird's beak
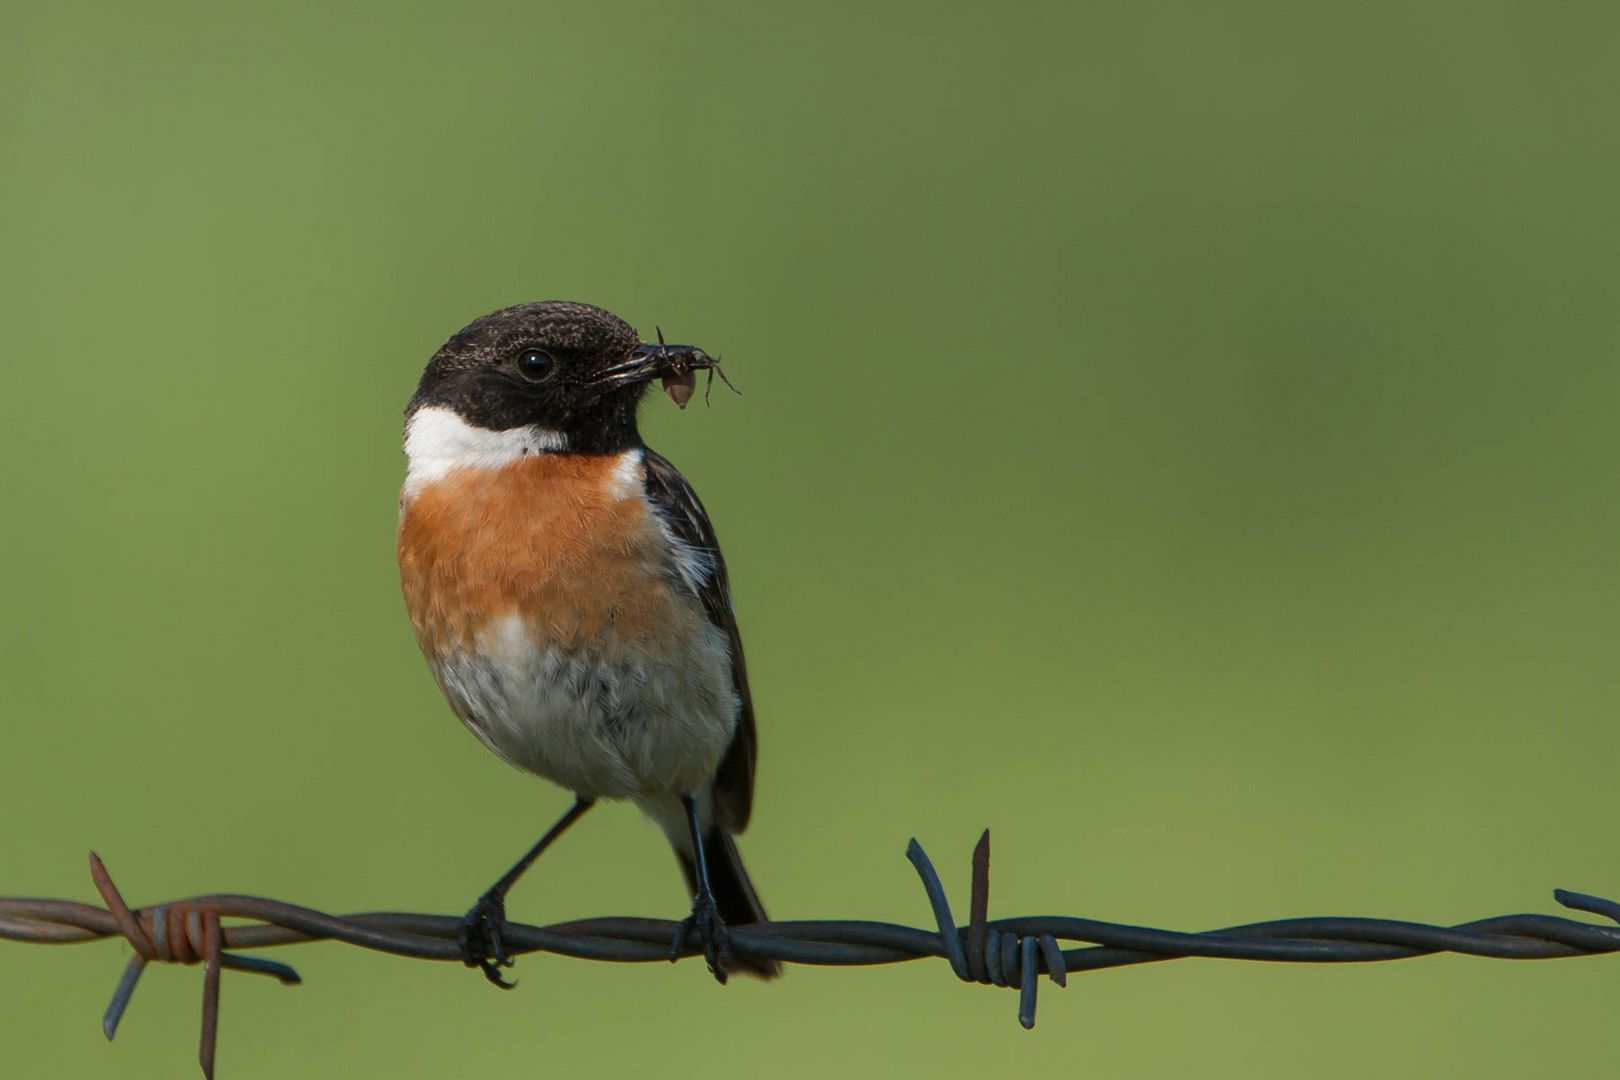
657,361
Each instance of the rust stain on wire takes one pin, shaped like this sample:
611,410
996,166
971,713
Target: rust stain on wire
1013,952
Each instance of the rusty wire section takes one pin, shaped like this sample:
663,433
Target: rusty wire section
1012,952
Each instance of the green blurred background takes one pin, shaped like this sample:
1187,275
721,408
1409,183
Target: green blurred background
1178,436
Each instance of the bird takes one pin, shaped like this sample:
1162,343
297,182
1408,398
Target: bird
568,592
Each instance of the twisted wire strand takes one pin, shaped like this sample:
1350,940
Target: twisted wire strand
1010,952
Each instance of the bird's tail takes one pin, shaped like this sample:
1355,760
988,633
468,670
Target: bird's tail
733,893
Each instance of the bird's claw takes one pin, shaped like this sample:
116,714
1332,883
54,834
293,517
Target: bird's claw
712,935
480,939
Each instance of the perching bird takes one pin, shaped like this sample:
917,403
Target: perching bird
568,592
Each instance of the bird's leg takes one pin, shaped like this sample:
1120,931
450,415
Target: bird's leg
705,917
480,940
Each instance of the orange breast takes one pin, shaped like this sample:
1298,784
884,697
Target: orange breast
553,538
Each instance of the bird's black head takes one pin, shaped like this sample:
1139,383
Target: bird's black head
571,369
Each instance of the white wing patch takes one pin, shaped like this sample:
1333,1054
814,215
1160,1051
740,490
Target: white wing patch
694,565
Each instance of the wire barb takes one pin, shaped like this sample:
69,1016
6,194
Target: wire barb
990,955
1012,952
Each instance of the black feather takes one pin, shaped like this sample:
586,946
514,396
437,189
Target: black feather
675,501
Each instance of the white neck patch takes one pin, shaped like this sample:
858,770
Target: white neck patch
627,475
438,441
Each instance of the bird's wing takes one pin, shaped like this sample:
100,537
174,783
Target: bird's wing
705,572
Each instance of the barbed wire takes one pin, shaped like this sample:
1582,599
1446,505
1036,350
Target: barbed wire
1012,952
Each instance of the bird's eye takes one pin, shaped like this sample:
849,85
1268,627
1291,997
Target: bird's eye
534,364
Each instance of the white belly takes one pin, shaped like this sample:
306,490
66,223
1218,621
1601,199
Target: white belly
620,726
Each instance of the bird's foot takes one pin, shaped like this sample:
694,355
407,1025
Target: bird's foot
712,935
480,939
